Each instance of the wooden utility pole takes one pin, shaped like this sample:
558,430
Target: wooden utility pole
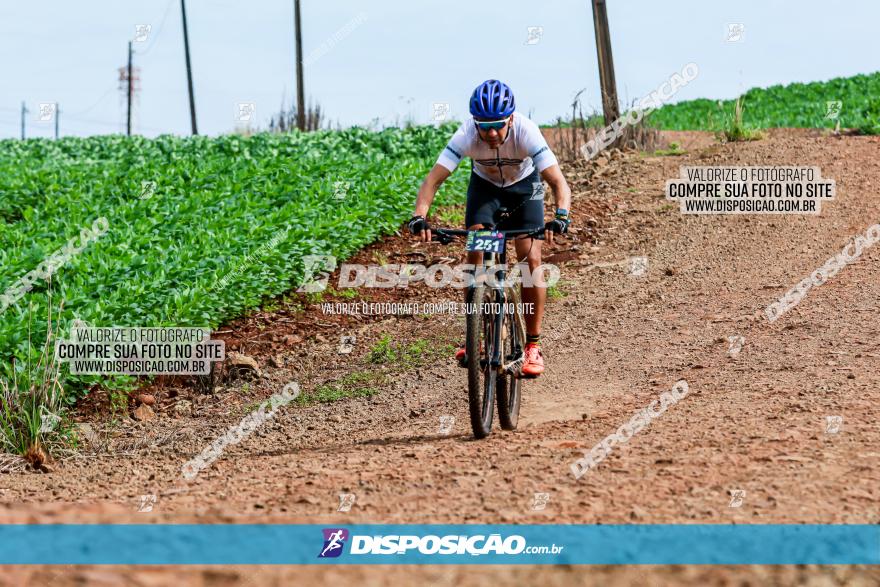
610,106
130,87
57,115
189,77
24,112
300,90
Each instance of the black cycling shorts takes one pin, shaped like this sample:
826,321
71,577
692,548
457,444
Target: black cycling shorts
524,201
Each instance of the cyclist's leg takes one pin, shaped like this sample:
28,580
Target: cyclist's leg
529,213
534,290
528,203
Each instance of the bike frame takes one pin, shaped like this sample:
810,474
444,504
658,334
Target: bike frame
500,295
503,292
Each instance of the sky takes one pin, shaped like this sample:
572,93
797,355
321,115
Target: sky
388,61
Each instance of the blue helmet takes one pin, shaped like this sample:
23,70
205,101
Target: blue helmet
492,100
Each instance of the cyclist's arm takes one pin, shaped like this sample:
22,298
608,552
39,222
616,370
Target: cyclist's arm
553,176
432,183
546,163
447,162
561,191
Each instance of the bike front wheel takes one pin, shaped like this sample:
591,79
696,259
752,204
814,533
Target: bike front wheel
480,346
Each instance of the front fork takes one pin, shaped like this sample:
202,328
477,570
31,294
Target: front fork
497,361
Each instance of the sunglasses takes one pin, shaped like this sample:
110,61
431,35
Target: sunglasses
491,124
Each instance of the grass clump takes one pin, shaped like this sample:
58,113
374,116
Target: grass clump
32,401
406,356
735,130
674,149
358,384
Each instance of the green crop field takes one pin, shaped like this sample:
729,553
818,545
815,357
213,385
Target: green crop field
794,105
178,253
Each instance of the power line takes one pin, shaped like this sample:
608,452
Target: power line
114,124
158,31
98,101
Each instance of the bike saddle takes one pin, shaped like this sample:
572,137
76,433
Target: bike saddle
500,216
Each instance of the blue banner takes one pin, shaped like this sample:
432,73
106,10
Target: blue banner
439,544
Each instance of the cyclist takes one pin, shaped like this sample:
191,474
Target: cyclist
509,158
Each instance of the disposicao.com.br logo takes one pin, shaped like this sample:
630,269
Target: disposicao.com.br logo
334,540
393,544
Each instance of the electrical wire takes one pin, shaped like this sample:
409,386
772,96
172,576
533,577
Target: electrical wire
158,31
90,108
115,124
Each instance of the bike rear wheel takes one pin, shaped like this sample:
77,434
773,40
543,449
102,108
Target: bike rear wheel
482,377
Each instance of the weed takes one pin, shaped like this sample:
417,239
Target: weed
118,403
315,297
674,149
346,292
735,130
358,384
555,292
32,400
382,352
414,354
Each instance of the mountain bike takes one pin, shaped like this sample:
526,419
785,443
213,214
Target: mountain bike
496,331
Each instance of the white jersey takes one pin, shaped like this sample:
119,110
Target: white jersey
522,151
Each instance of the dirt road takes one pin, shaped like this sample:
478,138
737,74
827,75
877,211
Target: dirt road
779,426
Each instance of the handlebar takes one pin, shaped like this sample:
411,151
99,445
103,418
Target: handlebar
446,235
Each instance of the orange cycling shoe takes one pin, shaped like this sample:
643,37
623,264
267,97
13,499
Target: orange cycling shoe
461,356
534,361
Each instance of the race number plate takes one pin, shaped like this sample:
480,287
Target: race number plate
485,241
